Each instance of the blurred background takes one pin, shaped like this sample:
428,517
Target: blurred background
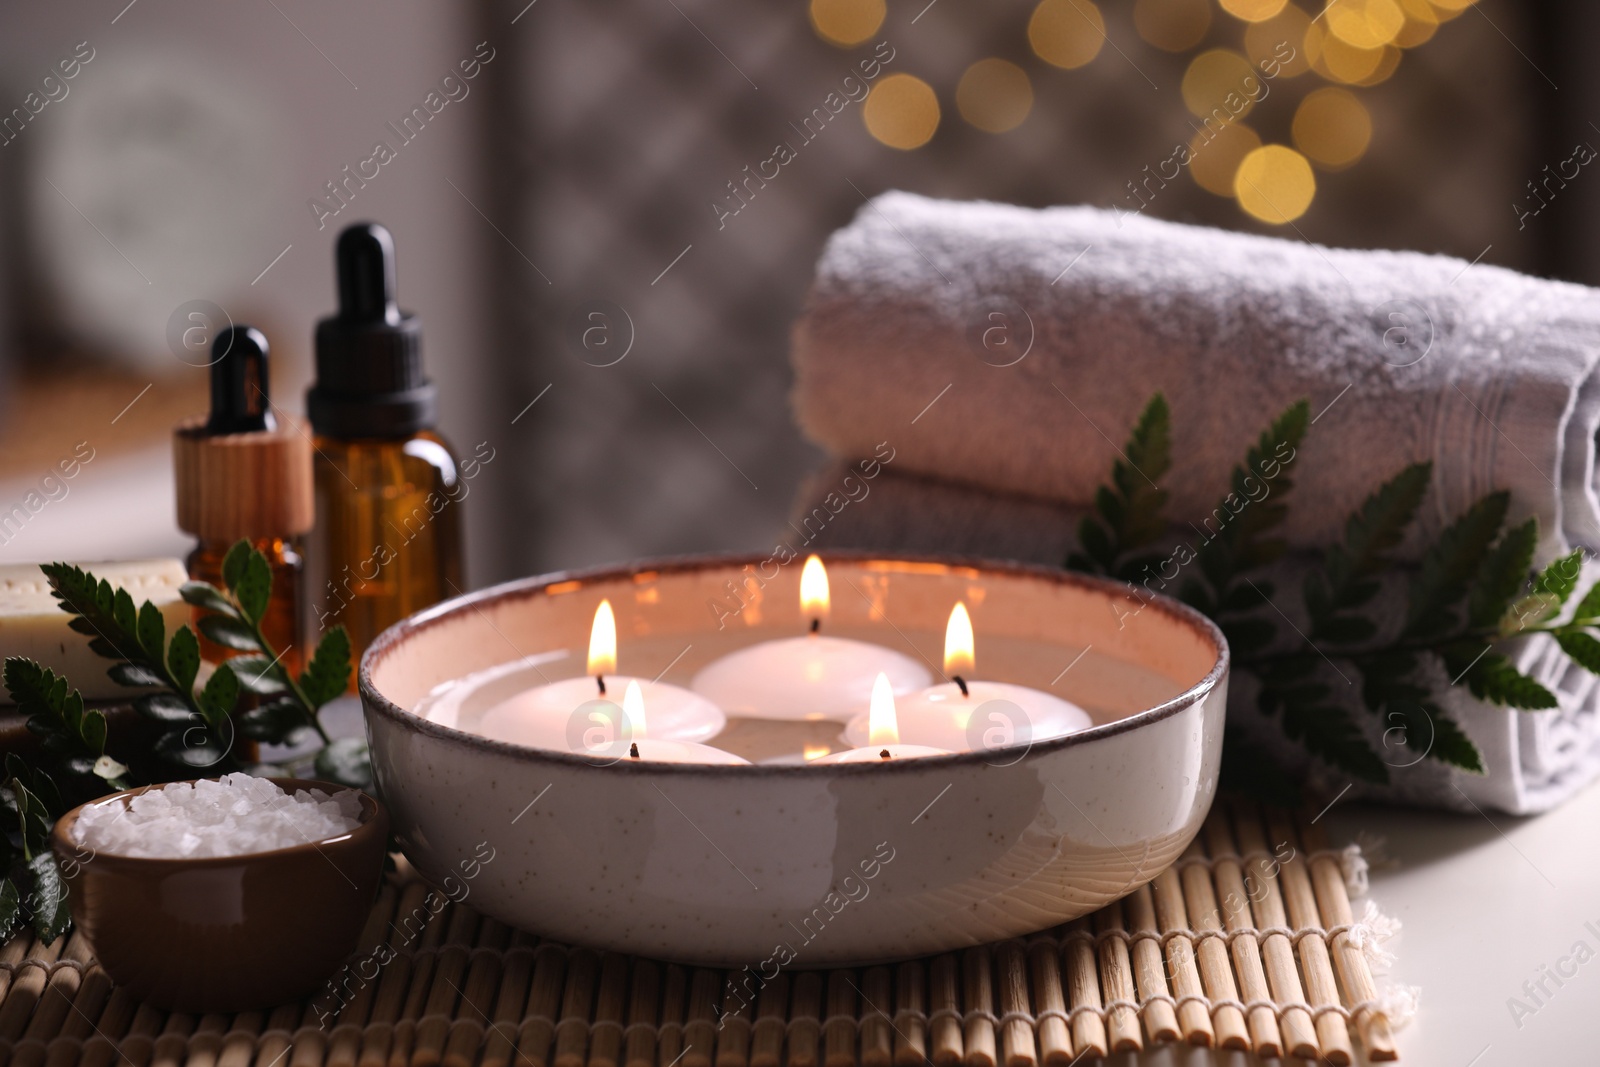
606,244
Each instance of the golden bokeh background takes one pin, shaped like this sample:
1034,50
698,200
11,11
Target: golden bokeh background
1240,53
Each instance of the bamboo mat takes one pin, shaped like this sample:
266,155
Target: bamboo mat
1248,941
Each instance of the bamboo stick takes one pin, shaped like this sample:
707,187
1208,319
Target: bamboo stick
640,1038
1172,918
1355,977
733,1025
469,1030
572,1029
945,1016
1088,1027
1199,901
977,985
1017,1046
1266,904
700,1025
772,1010
1245,948
1116,980
911,1005
275,1039
605,1036
500,1044
805,1022
1295,880
838,1028
674,1014
1160,1020
537,1032
877,1026
1055,1041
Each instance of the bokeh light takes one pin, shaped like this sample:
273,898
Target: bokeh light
1338,60
1172,25
1449,9
846,22
994,95
1253,10
1264,42
1275,184
901,111
1422,22
1332,127
1214,75
1365,23
1066,33
1215,155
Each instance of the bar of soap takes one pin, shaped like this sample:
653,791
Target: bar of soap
32,624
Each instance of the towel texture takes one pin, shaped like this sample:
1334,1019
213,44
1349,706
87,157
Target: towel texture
1535,759
1012,349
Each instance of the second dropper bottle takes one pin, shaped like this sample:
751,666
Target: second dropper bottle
387,541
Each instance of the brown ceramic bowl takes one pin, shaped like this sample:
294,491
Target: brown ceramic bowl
226,933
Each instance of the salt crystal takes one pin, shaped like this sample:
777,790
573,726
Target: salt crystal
235,816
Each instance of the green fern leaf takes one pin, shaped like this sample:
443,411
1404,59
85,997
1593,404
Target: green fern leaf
1503,574
1447,569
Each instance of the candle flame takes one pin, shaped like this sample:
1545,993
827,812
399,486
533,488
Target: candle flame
882,727
960,653
811,752
814,589
633,710
603,642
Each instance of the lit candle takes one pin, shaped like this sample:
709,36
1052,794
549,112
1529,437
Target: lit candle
813,677
966,714
570,714
883,734
645,749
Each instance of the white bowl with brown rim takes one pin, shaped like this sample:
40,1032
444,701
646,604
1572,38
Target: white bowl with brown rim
798,865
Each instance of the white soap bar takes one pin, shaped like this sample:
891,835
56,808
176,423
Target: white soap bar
32,624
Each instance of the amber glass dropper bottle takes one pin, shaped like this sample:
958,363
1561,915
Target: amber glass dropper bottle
244,473
388,537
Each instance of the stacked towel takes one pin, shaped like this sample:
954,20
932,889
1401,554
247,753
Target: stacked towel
1004,353
1038,337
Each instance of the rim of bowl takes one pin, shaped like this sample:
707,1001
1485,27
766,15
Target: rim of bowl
373,701
371,808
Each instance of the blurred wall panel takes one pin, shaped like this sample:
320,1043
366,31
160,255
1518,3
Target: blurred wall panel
658,254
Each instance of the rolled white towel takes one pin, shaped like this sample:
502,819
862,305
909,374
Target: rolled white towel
1404,357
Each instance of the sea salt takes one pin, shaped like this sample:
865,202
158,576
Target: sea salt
235,816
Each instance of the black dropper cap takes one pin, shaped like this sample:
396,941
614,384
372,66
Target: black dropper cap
240,393
370,382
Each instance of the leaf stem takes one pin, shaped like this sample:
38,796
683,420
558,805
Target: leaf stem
295,691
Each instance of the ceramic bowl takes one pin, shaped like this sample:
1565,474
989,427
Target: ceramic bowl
806,865
225,933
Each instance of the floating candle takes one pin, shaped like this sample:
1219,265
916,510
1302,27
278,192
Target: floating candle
814,677
573,714
643,749
883,736
966,714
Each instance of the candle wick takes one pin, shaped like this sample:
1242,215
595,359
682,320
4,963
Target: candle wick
816,625
633,750
601,682
884,754
961,684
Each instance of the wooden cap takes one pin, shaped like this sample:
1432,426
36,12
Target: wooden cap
252,485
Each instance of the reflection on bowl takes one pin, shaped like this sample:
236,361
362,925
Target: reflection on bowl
808,865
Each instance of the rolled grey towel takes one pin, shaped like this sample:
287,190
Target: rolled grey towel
1012,349
1535,759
